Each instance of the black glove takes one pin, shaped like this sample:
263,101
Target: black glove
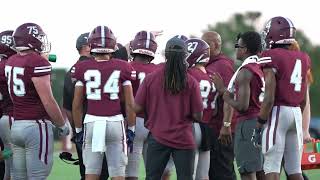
78,138
256,138
130,137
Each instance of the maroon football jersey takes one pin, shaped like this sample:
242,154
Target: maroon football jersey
169,117
19,71
224,66
102,84
208,93
291,70
256,92
5,101
142,70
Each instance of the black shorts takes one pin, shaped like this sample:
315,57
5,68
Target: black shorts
249,158
206,139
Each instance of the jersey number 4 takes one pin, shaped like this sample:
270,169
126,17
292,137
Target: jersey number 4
93,90
296,77
18,85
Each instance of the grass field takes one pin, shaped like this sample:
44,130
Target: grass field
63,171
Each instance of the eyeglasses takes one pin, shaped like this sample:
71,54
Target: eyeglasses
238,46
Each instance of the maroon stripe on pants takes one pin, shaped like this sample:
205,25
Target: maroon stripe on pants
47,139
123,139
10,121
276,125
268,131
84,136
40,130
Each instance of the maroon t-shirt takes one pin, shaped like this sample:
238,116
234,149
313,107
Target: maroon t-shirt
291,74
256,96
170,116
102,84
142,70
224,66
208,92
19,71
5,102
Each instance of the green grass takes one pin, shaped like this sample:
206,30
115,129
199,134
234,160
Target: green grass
63,171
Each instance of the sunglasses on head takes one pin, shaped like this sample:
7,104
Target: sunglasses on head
238,46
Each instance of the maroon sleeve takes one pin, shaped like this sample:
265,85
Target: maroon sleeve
196,99
267,60
141,95
76,73
128,73
40,67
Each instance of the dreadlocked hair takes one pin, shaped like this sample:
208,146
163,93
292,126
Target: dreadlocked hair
175,73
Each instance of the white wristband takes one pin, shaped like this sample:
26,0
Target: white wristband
78,130
132,128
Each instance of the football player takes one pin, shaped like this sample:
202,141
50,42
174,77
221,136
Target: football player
143,48
83,49
199,56
170,98
306,113
28,78
285,73
6,50
103,81
221,153
247,85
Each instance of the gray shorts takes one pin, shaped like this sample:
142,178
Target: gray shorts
249,159
32,142
115,141
5,123
139,147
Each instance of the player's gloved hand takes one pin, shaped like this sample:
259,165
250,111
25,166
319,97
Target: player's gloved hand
256,138
130,137
63,130
78,138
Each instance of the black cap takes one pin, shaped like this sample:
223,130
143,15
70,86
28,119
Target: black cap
176,45
82,40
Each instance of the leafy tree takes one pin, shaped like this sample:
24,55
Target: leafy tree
229,30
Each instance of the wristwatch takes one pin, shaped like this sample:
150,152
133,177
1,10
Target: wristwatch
226,124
